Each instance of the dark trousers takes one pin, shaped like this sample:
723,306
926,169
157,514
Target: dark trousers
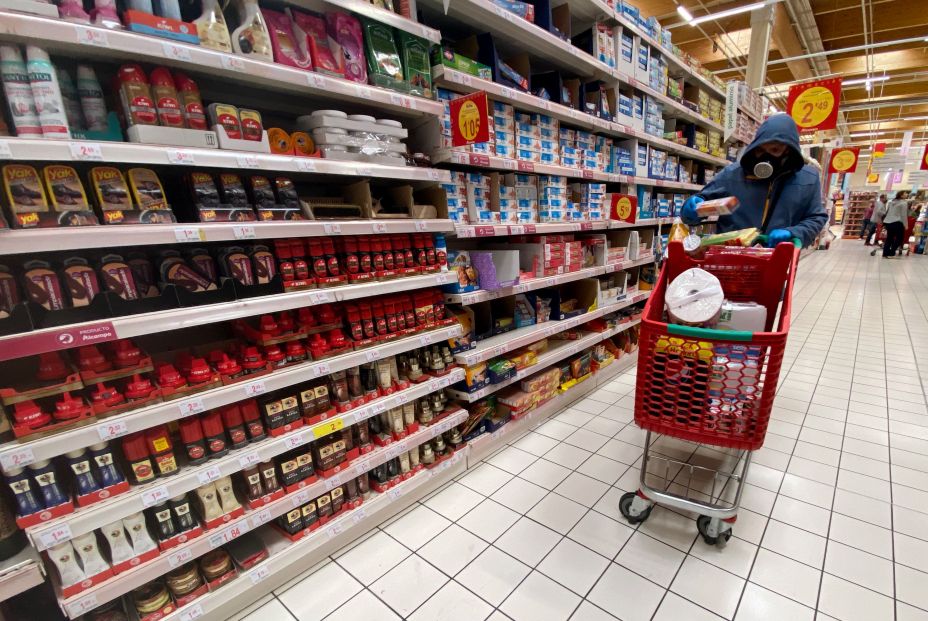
864,228
868,232
895,231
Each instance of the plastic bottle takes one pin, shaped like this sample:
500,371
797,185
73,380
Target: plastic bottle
212,29
104,14
190,102
73,11
18,93
72,104
251,37
165,96
91,96
46,93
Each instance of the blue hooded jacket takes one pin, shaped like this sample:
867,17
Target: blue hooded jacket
796,192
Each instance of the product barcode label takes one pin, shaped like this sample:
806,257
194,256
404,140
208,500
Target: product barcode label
86,152
180,557
232,62
191,407
332,229
17,458
363,92
332,483
210,474
189,234
402,100
92,36
426,339
155,496
253,389
114,429
364,171
504,92
434,175
464,231
379,407
194,611
422,226
55,536
259,574
243,231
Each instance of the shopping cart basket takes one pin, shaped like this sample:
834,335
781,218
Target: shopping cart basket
711,389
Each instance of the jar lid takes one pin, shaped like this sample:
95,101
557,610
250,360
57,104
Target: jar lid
362,117
389,122
335,113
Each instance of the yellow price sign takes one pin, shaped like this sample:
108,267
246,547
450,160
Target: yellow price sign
469,120
844,160
623,208
330,426
812,107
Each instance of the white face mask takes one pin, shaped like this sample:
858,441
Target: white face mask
763,170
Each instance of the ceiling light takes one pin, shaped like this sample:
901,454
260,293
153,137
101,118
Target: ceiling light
879,78
869,86
721,14
686,15
868,134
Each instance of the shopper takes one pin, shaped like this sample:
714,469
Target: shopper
865,225
876,219
897,213
779,193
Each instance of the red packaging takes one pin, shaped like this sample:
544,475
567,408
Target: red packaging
235,425
215,433
165,96
311,36
138,105
161,449
191,434
284,43
190,102
135,450
251,416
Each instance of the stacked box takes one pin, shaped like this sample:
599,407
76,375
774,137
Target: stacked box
715,110
653,116
553,202
589,198
672,168
677,204
701,141
504,129
657,161
663,204
643,58
604,146
626,47
537,138
624,162
625,106
714,142
638,107
604,44
675,88
479,208
485,148
699,97
657,72
518,198
456,191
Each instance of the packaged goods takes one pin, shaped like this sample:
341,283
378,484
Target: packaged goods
747,316
138,106
416,68
46,93
283,42
346,31
383,59
190,103
164,94
227,117
694,298
212,29
251,37
72,104
741,237
718,207
18,94
252,128
93,106
310,33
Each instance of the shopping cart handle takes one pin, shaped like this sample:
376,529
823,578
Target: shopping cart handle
709,333
762,239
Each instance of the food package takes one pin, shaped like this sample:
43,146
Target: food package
746,316
383,59
346,31
718,207
694,298
741,237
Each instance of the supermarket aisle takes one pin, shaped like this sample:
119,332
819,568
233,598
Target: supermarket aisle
832,518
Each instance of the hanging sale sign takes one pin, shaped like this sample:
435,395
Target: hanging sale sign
844,160
469,123
879,149
814,105
924,164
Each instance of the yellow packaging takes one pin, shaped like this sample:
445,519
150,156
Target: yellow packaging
741,237
146,189
23,189
65,188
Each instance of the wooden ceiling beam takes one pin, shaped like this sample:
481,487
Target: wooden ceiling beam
784,37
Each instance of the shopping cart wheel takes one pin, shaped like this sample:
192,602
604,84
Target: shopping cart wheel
714,531
635,508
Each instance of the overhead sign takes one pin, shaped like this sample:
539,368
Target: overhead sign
924,163
814,105
623,207
469,122
844,160
879,149
892,161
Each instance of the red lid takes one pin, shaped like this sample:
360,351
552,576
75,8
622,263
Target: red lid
134,447
190,429
282,249
429,242
364,243
212,423
273,353
29,414
182,361
315,247
351,310
199,371
51,367
106,396
158,440
160,76
297,248
138,387
131,73
376,244
305,317
184,83
285,321
228,366
250,410
350,244
366,310
336,339
326,314
89,358
231,415
169,377
68,407
295,349
318,345
126,354
252,358
377,307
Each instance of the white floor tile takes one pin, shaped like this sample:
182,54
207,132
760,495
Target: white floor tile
273,610
801,514
650,558
417,527
601,534
850,602
373,557
454,501
557,512
787,577
453,549
693,582
539,598
573,566
486,478
363,607
620,451
512,460
862,535
627,593
736,557
528,541
602,469
576,417
320,593
408,585
494,574
675,608
545,473
535,443
581,488
588,612
759,604
452,602
586,439
859,567
489,520
910,586
567,455
795,543
519,495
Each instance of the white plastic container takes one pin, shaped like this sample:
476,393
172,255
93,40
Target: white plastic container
91,95
251,38
46,93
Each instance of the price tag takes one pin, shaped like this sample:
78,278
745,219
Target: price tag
463,78
295,440
316,81
243,231
82,605
332,483
422,226
505,93
332,229
55,536
379,227
114,429
191,407
155,496
176,52
300,498
328,427
444,382
259,574
426,339
86,152
6,152
433,174
322,369
253,389
394,494
92,36
191,612
210,474
261,517
305,164
364,171
181,157
335,530
402,100
236,530
321,297
180,557
232,62
189,234
401,397
521,288
363,92
249,459
372,355
510,164
18,458
361,468
247,161
464,231
358,514
217,540
516,230
379,406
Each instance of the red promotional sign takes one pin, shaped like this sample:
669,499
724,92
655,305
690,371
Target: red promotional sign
844,160
879,149
469,123
623,207
924,164
814,105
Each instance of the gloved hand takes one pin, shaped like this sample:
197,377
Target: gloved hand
689,210
777,236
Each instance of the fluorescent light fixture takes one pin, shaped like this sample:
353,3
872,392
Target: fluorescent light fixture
722,14
868,134
879,78
686,15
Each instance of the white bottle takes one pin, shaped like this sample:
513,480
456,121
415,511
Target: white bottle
120,548
65,559
18,93
91,95
212,29
46,93
251,38
138,533
89,552
72,104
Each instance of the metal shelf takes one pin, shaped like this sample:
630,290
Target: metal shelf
194,548
18,454
141,497
66,337
20,573
544,228
23,241
57,36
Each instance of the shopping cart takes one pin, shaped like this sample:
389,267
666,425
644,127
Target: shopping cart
709,392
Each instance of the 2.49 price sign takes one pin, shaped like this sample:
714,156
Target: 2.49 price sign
469,122
814,105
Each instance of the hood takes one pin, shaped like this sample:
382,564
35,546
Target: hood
778,128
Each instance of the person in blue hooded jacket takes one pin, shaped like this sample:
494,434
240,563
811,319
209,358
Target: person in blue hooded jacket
779,193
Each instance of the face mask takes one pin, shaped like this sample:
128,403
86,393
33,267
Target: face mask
767,165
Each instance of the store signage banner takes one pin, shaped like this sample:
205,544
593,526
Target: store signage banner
924,164
844,160
814,105
469,123
879,149
906,143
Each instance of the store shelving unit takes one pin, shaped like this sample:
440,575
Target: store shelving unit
371,11
857,203
20,573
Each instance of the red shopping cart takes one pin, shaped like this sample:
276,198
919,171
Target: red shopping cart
711,389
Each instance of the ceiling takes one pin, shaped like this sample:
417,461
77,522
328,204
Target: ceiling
722,45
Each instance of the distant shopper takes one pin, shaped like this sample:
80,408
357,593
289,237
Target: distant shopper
779,193
895,220
876,219
865,225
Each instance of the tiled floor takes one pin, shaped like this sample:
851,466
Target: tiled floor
833,522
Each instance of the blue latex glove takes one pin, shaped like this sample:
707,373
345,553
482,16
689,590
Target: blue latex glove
688,214
777,236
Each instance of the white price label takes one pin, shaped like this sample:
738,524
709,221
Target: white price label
510,164
300,498
217,540
379,407
180,557
295,440
249,459
92,36
465,231
499,350
358,514
464,79
402,101
253,389
379,227
321,297
394,494
176,52
191,407
209,475
305,164
434,175
6,152
192,612
114,429
401,398
86,152
189,234
155,496
17,458
243,231
426,339
372,355
181,157
364,171
335,530
361,469
316,81
322,369
516,230
422,226
55,536
332,483
259,574
232,62
332,229
504,92
363,92
247,161
444,382
261,517
82,605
